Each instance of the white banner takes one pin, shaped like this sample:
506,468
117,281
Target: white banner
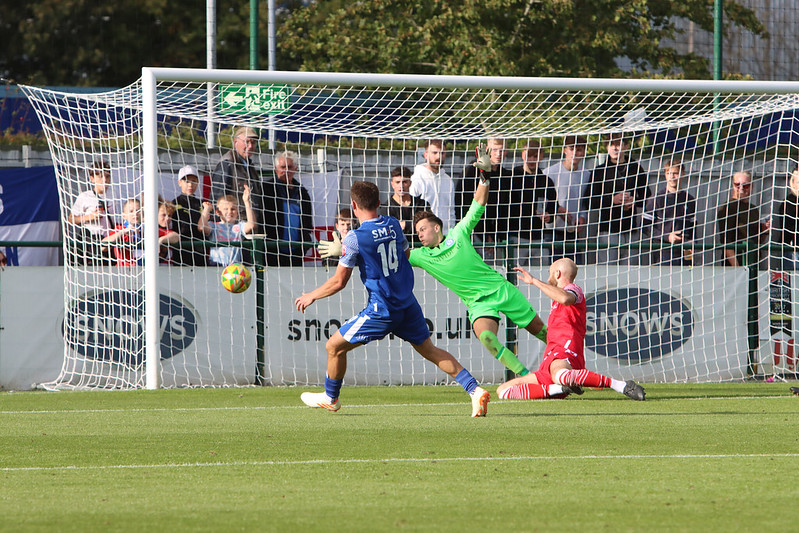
663,325
640,331
295,342
193,346
29,256
31,342
323,190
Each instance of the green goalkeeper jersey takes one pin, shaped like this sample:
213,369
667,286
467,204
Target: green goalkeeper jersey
456,264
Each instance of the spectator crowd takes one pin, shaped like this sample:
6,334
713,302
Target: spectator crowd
608,214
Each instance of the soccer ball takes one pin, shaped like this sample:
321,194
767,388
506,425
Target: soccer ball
236,278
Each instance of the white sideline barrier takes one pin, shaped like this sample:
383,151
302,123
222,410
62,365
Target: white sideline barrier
664,339
32,320
31,313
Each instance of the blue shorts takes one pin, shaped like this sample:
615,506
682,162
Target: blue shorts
370,325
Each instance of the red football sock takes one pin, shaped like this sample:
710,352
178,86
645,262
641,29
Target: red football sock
584,378
526,391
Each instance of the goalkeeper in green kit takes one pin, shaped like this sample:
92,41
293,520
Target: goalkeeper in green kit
453,261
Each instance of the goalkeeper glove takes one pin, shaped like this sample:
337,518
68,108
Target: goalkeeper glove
330,248
483,160
483,163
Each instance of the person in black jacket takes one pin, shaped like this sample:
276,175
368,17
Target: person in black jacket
286,213
786,225
493,227
617,193
739,221
533,203
401,205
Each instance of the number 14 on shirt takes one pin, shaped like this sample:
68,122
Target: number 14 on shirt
388,256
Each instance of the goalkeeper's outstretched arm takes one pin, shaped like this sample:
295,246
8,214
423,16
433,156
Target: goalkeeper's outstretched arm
483,164
481,193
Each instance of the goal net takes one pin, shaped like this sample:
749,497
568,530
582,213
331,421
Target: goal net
674,198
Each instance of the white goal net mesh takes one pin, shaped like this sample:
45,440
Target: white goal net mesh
677,205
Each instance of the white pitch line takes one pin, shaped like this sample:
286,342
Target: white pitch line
350,406
200,409
397,460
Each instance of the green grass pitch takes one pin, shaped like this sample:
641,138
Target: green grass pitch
719,457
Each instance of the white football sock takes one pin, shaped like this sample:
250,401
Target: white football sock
617,385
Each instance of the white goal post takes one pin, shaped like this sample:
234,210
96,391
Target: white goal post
658,310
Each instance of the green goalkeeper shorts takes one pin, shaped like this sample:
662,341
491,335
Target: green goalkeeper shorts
507,300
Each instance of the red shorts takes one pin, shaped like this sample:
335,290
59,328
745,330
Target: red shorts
552,352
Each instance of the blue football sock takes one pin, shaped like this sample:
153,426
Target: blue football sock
466,381
332,387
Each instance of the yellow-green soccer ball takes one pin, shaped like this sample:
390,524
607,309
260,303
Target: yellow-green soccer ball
236,278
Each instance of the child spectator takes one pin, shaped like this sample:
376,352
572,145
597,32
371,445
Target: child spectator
401,205
90,217
130,252
166,235
228,229
669,218
344,222
343,227
188,209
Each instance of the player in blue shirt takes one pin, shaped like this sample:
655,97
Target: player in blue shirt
380,250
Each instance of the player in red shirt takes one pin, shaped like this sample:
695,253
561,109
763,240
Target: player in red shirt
564,363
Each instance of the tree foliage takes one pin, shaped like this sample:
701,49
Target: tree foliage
105,43
80,42
500,37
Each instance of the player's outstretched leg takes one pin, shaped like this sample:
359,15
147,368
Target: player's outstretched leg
337,348
486,329
537,328
634,390
528,388
480,398
446,362
320,399
563,374
532,391
502,353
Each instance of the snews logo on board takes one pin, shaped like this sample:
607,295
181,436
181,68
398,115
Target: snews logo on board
636,325
109,326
